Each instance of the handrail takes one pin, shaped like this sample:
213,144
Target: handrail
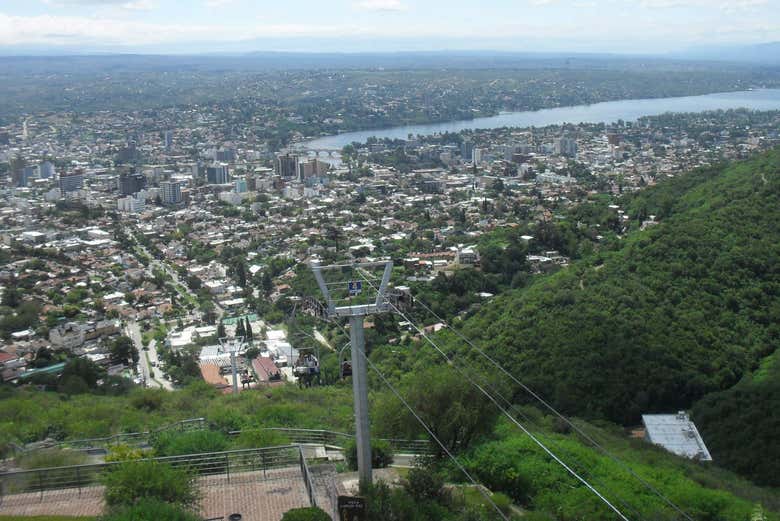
181,424
206,464
307,478
297,435
327,437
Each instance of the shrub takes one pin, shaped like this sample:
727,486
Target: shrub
123,452
306,514
424,483
136,480
193,442
225,419
258,438
150,510
147,400
49,458
381,454
502,501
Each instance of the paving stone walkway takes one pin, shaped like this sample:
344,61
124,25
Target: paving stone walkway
254,495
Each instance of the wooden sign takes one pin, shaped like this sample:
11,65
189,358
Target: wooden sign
352,508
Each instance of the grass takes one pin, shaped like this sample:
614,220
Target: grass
768,367
48,458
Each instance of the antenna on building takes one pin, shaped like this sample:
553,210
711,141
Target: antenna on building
345,296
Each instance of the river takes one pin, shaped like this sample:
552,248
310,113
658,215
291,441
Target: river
607,112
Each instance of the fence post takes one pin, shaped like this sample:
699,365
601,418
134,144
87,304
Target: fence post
40,483
78,480
263,463
227,466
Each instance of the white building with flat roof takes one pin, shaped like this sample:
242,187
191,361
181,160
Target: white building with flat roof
677,434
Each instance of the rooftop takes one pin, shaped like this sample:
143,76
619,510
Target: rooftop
677,434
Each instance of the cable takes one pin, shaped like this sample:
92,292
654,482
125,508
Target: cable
507,414
582,433
528,421
432,435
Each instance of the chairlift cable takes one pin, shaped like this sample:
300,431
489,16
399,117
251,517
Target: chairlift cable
547,405
508,415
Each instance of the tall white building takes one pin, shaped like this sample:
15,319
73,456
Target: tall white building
565,146
170,192
479,155
132,204
46,170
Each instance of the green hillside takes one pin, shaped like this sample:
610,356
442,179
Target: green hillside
685,308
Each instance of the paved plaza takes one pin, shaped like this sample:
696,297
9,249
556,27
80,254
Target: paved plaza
257,496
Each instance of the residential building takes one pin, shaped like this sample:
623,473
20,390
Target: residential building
46,170
131,183
71,182
67,336
286,165
132,204
217,174
565,146
170,192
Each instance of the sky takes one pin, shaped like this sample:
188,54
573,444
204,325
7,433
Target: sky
202,26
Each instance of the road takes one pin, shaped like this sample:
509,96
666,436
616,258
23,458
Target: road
178,284
145,359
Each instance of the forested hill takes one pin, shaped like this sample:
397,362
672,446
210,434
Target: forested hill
683,309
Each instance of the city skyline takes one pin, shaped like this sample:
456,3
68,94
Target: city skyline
203,26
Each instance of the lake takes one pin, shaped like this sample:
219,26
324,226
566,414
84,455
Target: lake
607,112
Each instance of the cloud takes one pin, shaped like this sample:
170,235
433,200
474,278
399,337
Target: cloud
139,5
725,5
129,5
113,27
381,5
217,3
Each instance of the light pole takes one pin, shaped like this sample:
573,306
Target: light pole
346,298
233,346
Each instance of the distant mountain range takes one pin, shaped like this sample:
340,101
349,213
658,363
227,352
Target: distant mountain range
693,59
764,53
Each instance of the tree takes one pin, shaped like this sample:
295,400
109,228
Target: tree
221,330
248,329
240,331
453,408
12,297
82,368
122,349
267,283
381,454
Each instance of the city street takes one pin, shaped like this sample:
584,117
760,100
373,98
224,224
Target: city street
146,359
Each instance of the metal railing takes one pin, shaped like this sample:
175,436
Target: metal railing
133,438
294,435
340,439
209,464
307,480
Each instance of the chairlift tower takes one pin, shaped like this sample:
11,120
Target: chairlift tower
233,346
348,298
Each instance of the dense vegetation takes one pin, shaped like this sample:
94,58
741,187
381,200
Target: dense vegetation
502,457
741,424
680,313
685,313
684,308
